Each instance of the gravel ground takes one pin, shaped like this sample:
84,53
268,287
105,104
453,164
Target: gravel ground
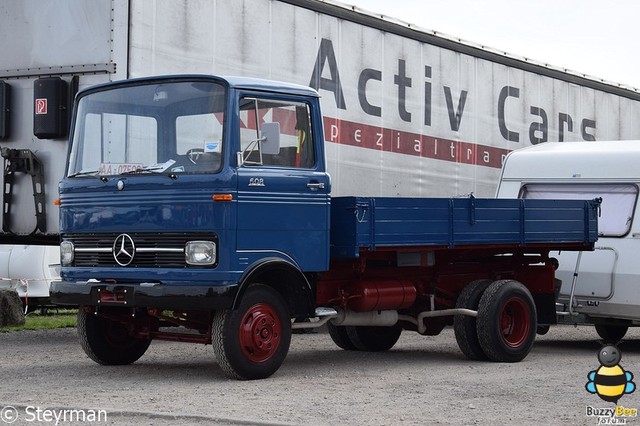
422,380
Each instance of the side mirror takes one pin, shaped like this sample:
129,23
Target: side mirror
270,138
267,143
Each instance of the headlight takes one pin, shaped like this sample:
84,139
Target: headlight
200,253
66,253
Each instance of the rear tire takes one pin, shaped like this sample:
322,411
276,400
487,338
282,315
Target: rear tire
465,327
374,338
506,321
252,341
108,342
611,333
338,334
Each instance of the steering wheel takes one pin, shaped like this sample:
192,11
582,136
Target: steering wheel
194,154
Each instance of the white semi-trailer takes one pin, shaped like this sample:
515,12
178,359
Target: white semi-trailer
409,112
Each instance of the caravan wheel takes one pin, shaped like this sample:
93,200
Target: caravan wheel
611,333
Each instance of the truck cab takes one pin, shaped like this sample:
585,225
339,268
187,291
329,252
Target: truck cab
181,191
212,160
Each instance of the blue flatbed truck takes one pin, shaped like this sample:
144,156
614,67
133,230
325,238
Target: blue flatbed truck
198,209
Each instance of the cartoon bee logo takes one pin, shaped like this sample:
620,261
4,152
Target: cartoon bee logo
610,381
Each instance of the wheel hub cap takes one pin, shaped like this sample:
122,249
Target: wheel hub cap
514,322
260,332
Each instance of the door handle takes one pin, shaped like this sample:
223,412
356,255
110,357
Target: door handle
314,186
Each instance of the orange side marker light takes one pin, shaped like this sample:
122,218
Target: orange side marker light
222,197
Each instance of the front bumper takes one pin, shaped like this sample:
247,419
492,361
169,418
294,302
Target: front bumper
162,296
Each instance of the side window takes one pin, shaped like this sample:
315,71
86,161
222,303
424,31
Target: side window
617,208
296,149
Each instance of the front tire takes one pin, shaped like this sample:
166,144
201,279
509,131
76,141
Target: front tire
108,342
506,321
252,341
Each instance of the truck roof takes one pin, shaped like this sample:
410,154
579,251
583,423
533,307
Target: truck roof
269,85
248,83
602,160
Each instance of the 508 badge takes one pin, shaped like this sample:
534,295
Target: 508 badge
256,181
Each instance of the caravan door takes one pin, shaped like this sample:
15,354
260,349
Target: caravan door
597,271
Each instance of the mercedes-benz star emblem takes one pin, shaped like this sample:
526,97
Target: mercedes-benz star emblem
123,249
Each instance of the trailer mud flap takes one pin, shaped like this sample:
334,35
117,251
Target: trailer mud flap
545,308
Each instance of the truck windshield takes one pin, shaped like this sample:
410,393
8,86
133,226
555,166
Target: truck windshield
167,127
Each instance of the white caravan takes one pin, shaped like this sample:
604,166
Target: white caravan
600,287
29,270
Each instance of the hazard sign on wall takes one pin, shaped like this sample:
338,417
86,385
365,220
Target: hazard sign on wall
41,106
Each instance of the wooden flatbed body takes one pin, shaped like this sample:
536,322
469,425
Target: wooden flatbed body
372,222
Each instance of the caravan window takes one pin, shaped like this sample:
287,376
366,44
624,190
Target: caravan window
618,202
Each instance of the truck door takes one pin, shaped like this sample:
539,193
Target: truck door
283,188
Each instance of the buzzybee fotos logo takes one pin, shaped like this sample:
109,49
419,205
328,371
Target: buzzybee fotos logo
610,382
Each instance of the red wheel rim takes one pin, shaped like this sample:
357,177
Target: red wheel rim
260,332
515,322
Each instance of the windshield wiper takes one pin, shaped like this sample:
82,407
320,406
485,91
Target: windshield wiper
145,169
85,173
154,168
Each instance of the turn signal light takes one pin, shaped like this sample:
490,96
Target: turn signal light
222,197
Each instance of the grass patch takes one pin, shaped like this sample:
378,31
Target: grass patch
53,318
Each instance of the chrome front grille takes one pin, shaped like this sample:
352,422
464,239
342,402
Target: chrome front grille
152,250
